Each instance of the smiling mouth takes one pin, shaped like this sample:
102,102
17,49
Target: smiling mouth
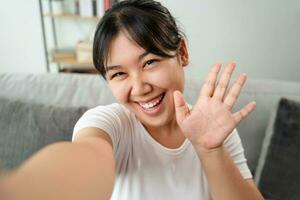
151,105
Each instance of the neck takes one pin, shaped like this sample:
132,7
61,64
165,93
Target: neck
169,135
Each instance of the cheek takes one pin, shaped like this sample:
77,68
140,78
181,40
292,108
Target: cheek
169,77
120,91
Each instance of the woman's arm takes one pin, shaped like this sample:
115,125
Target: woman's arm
224,178
208,124
80,170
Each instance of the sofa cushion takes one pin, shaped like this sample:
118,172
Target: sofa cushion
61,89
27,127
278,174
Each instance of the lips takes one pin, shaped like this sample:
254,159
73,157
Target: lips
150,105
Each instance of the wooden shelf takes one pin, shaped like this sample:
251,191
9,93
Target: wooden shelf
70,16
74,66
69,59
79,70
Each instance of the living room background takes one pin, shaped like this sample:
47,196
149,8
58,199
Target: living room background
261,36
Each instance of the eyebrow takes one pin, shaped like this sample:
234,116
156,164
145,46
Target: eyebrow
115,67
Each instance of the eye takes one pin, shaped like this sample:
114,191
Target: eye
117,75
150,62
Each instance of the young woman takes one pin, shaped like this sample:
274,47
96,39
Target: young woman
152,144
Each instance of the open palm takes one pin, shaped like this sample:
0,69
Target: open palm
211,120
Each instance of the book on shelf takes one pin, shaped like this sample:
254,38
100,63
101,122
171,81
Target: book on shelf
100,8
92,8
95,8
86,8
106,4
84,51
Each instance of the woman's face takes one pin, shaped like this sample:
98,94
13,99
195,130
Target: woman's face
144,82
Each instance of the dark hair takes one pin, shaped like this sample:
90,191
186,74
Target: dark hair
147,22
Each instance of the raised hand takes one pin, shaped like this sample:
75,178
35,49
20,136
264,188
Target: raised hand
211,120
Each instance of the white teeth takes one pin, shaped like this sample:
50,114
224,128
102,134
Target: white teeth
151,104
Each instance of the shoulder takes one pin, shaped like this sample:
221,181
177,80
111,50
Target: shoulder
113,111
106,117
111,118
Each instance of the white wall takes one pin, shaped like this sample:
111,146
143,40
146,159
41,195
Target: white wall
263,37
21,46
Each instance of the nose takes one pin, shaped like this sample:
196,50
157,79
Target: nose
139,86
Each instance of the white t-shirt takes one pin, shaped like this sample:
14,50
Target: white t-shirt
147,170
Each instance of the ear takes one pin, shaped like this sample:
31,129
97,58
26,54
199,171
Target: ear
183,53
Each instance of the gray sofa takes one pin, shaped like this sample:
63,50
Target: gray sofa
60,99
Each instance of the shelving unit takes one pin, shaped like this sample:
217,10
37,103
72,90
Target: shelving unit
64,61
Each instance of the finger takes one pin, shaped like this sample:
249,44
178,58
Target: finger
235,90
223,82
181,108
209,84
238,116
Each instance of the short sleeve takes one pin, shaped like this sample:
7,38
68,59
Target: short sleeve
235,148
107,118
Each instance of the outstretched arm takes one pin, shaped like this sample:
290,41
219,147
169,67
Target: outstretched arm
80,170
208,124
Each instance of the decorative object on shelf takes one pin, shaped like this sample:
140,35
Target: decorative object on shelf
63,56
84,52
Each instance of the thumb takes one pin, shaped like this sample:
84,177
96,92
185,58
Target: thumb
181,109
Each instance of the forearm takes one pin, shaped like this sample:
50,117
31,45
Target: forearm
224,179
62,171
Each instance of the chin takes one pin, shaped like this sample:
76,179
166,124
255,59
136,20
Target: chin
161,120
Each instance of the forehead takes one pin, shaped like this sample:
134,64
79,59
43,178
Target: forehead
123,48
